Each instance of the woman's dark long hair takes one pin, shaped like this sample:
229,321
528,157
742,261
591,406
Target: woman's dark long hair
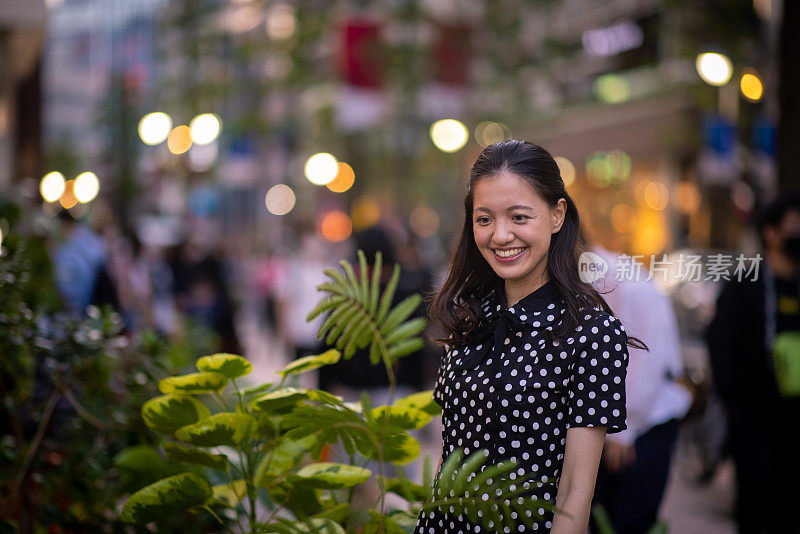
455,308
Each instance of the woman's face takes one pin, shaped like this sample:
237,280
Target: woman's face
513,226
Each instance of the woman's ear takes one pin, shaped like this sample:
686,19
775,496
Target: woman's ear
558,213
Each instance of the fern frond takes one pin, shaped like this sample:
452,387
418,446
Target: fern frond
348,312
361,316
350,333
374,289
333,318
362,277
388,294
375,353
335,289
406,330
353,281
494,496
333,423
361,332
337,277
404,348
400,313
326,304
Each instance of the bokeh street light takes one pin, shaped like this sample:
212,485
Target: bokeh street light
336,226
567,169
280,199
345,178
751,86
321,168
205,128
449,135
656,196
52,186
86,187
715,69
281,22
154,128
687,198
612,88
424,221
67,198
488,132
180,139
365,212
623,218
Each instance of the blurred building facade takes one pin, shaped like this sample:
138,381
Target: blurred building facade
89,42
657,159
22,31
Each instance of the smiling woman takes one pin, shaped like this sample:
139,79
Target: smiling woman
513,225
534,364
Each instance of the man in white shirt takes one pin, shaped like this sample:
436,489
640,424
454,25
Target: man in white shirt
633,475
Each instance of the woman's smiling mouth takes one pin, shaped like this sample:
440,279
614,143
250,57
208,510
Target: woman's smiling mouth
508,254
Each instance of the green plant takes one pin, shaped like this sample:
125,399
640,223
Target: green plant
603,522
72,388
249,457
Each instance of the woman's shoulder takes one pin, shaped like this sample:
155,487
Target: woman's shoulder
595,322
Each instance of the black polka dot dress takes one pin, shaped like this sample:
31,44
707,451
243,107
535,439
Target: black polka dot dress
513,393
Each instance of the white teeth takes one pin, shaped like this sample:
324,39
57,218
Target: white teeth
508,253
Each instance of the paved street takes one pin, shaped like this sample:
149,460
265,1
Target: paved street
689,508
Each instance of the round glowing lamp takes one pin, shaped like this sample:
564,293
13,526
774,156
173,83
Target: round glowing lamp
154,128
52,186
449,135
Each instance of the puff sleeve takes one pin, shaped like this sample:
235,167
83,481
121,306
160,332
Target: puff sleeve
597,377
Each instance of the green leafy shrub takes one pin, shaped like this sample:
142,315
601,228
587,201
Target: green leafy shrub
72,442
256,452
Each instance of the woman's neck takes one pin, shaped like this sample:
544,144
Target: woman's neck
518,291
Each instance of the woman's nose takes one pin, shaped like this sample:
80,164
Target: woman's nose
503,234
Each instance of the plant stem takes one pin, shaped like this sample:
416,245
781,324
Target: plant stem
218,404
16,487
222,401
241,397
392,385
251,490
83,412
221,522
238,504
272,515
248,468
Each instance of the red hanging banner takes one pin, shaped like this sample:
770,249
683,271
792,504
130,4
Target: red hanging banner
452,54
360,58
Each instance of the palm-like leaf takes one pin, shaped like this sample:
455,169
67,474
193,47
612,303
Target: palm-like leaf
489,495
333,424
359,316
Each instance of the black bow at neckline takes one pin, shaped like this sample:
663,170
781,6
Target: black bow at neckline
488,335
492,331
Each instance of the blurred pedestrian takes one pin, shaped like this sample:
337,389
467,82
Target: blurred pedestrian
296,295
633,474
201,291
755,353
80,264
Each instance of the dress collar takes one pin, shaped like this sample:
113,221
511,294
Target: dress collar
533,305
539,310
